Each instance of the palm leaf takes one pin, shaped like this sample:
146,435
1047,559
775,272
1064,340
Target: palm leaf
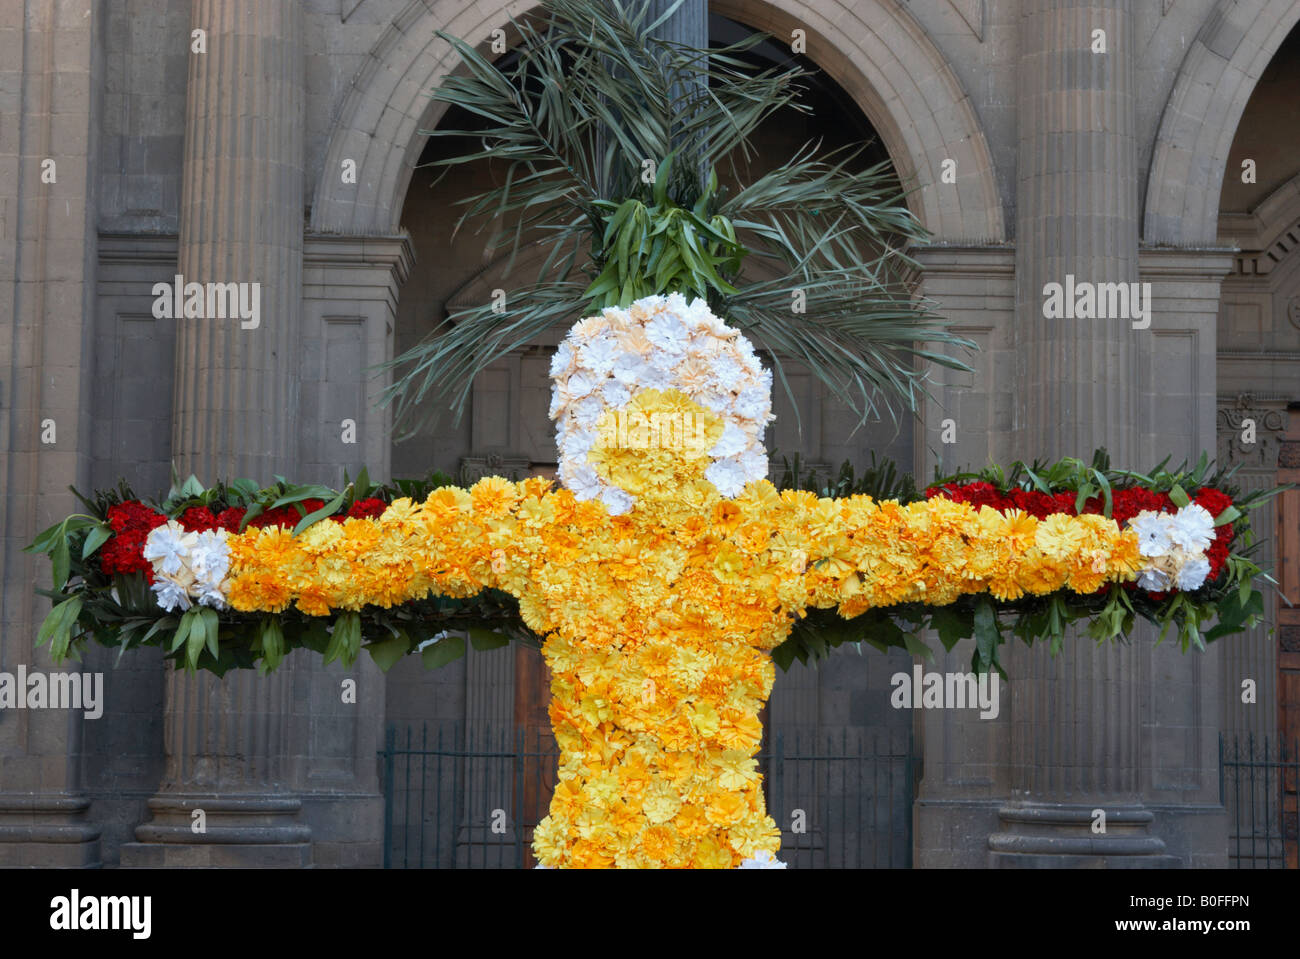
590,96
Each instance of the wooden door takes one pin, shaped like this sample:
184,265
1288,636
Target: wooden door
1288,633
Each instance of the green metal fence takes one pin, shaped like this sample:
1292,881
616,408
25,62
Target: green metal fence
466,796
1258,782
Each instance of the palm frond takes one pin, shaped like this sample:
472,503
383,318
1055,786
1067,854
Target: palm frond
593,94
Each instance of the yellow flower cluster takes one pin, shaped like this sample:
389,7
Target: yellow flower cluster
659,623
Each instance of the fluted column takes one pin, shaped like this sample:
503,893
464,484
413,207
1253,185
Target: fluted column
1076,723
241,221
232,758
1076,215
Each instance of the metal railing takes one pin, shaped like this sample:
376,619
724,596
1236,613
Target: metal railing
469,796
1258,786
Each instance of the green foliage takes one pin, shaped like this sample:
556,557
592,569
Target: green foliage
120,611
1233,601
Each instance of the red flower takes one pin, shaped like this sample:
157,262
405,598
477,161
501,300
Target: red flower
230,518
124,551
198,519
370,508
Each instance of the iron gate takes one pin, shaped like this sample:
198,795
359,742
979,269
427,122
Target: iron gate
468,797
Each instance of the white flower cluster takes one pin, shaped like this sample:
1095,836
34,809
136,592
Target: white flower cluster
1173,547
764,860
660,343
188,566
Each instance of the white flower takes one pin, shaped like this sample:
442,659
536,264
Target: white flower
754,462
599,354
628,368
562,361
668,333
728,476
1152,529
586,413
1193,572
1192,528
581,383
762,860
616,500
211,595
753,403
171,594
168,547
616,394
732,441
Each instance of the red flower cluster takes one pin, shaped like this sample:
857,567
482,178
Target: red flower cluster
1125,504
132,522
1215,502
124,552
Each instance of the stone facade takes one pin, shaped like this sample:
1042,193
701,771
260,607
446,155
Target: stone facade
1037,150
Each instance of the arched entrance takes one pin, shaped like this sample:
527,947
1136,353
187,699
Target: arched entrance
507,430
1258,369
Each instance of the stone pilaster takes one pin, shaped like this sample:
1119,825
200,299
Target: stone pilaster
1076,215
51,75
241,221
232,752
1076,719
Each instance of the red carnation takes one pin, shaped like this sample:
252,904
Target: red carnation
1214,501
230,518
369,508
124,551
198,519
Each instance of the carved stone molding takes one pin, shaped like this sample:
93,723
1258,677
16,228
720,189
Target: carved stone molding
474,468
1244,416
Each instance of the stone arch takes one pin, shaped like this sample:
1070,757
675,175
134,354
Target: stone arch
877,52
1214,83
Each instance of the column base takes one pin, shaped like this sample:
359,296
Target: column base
1060,836
47,831
246,832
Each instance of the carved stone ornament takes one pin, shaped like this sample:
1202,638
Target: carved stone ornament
1250,433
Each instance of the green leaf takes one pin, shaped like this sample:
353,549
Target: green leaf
188,621
96,538
345,641
987,633
486,639
444,651
951,625
271,640
212,627
1227,516
62,563
327,510
917,648
387,653
1179,496
783,656
197,638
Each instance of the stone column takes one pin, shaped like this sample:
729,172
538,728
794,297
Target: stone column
230,748
1076,719
51,72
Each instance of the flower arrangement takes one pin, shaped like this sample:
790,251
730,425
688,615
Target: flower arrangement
662,584
655,359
